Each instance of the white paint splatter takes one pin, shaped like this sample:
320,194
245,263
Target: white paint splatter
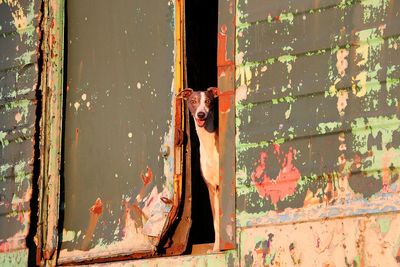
139,85
77,105
130,135
84,96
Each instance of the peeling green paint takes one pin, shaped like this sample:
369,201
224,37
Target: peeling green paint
20,174
328,127
21,105
3,140
286,17
362,128
384,224
373,8
26,57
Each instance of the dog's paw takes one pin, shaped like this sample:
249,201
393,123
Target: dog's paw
216,248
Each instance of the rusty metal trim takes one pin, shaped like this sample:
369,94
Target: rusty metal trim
227,147
51,130
179,119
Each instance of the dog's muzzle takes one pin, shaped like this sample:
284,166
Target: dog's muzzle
201,118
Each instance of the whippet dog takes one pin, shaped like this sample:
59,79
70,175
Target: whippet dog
201,106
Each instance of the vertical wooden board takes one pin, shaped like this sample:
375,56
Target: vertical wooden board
358,241
19,44
226,72
317,128
119,129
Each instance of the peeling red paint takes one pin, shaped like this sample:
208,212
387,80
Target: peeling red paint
97,208
147,177
95,212
222,58
225,100
284,184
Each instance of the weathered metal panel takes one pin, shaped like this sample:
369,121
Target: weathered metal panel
359,241
317,109
19,41
120,123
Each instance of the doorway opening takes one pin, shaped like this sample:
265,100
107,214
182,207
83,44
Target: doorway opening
201,22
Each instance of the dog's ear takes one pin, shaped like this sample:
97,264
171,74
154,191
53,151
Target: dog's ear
214,91
185,93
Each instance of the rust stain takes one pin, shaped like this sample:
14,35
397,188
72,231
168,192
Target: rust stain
95,212
76,136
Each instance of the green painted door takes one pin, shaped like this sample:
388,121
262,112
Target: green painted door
119,127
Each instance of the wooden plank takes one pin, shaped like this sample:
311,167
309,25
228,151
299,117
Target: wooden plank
311,74
312,32
258,10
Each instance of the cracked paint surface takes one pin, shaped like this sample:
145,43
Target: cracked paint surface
321,83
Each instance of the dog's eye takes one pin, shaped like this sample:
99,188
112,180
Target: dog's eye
208,101
192,101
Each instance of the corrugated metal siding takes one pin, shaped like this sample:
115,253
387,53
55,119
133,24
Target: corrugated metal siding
317,109
19,42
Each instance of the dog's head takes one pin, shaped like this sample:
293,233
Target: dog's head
200,103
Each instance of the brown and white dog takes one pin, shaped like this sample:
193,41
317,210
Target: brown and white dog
201,106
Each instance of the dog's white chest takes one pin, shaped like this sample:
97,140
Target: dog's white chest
209,157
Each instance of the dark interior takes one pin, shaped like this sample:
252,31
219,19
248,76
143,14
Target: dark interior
201,69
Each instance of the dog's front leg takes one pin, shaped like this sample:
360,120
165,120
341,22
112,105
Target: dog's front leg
215,207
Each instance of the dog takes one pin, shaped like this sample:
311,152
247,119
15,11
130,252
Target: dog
201,106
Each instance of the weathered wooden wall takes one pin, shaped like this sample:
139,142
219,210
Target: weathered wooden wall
19,43
317,131
317,119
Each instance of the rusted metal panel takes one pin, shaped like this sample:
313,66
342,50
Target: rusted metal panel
19,41
226,85
121,180
317,109
357,241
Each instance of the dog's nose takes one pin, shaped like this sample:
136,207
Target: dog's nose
201,115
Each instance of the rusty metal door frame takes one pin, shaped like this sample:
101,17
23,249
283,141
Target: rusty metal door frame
227,130
51,126
51,130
